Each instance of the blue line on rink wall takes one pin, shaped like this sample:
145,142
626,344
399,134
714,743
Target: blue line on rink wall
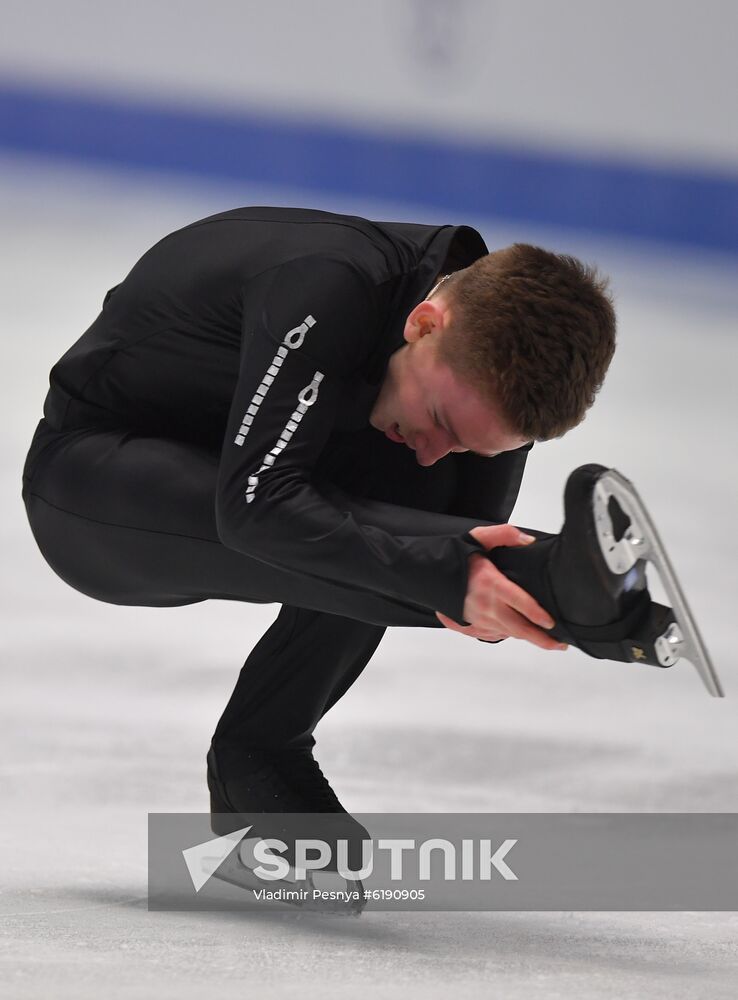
490,179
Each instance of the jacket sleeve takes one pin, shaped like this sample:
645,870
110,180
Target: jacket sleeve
307,325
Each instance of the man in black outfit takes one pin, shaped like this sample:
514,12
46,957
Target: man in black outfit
292,406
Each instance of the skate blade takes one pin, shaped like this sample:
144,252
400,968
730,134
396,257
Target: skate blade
296,894
641,540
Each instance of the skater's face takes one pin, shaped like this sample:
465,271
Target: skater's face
424,405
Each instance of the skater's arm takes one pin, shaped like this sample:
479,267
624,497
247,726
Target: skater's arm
307,326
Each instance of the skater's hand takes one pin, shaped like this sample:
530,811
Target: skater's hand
495,606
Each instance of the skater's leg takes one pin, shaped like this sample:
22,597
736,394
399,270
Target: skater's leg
129,519
291,678
307,660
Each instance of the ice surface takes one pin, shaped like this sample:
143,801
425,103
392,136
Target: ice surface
107,712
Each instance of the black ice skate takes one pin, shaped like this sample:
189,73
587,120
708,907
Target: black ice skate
595,580
283,794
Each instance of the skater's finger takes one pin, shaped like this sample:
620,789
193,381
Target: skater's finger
454,626
474,633
492,536
519,627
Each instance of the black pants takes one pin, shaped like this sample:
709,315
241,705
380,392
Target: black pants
129,519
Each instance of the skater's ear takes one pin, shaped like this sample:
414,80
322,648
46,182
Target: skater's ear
427,317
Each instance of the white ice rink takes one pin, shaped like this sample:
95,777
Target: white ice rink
106,712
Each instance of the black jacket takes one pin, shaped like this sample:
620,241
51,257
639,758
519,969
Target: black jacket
260,333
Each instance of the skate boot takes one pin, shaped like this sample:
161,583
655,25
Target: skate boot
594,579
283,794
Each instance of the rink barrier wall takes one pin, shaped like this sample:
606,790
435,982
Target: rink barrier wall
623,199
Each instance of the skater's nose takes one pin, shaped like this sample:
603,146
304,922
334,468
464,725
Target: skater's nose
429,448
